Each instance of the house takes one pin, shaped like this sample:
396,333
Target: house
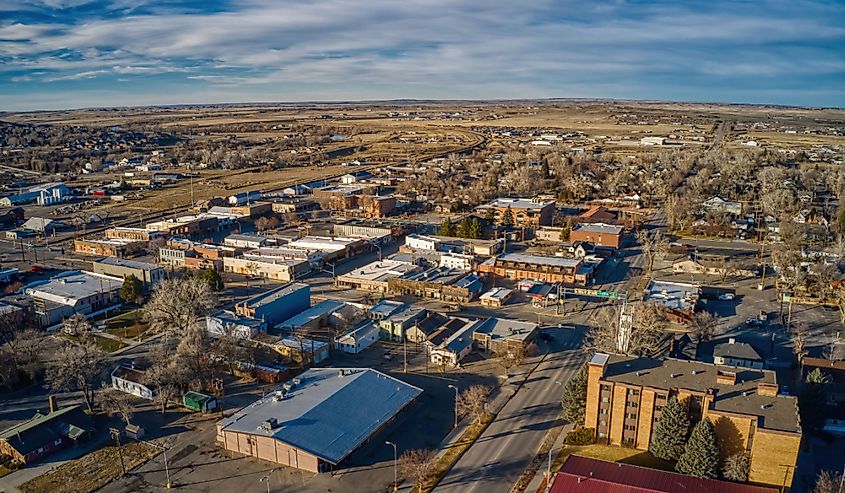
528,213
355,177
148,274
717,204
625,395
276,305
44,434
457,346
606,235
230,323
598,214
327,313
333,412
550,234
73,292
41,225
131,380
385,308
587,475
398,324
740,354
244,198
358,339
302,350
502,336
10,216
423,329
496,297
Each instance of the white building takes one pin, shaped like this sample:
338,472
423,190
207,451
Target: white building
228,323
245,240
358,339
279,269
421,242
458,261
653,141
73,292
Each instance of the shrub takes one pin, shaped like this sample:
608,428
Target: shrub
581,436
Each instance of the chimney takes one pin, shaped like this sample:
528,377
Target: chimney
767,389
726,377
732,340
54,404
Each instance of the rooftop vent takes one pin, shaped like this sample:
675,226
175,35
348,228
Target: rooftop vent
694,372
638,373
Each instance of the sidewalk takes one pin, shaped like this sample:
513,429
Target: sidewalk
540,475
507,390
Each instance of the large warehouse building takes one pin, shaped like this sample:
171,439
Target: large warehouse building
318,419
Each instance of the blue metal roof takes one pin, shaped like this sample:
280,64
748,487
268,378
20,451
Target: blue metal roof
329,413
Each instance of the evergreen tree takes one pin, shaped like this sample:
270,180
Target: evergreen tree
212,277
475,229
446,228
670,433
507,217
463,228
574,399
812,398
132,289
701,455
736,468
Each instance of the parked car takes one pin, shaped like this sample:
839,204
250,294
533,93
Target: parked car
753,322
727,296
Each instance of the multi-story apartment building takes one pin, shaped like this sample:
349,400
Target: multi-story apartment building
518,266
625,396
528,213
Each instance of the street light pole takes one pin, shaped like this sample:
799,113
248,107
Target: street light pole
395,466
456,404
265,479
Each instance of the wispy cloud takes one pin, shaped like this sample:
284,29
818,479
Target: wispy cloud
249,49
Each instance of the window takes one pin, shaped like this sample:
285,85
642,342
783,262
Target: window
633,392
633,404
605,388
603,422
630,427
605,399
603,411
602,435
661,397
631,415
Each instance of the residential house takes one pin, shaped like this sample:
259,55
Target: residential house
359,338
44,434
127,378
739,354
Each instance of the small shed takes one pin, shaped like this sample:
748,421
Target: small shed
199,402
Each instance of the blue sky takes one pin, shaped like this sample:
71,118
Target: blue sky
79,53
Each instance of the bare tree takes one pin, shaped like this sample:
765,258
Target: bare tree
77,366
177,305
649,328
602,337
799,340
262,223
231,350
703,325
828,482
653,246
23,347
473,401
166,376
117,403
76,325
417,465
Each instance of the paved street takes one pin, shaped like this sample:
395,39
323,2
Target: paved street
495,461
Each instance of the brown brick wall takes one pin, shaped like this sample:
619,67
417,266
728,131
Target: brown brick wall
770,454
594,374
617,414
645,419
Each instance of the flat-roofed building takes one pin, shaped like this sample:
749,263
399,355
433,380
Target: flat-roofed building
375,275
496,297
280,269
302,350
607,235
625,396
133,234
72,292
277,304
148,274
326,313
518,266
678,299
187,226
109,247
317,420
245,240
528,213
501,335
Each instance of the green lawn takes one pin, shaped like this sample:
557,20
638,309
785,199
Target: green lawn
108,345
613,454
129,325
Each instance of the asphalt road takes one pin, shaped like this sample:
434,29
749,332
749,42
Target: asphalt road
493,464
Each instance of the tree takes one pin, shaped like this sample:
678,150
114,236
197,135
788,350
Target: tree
652,246
472,402
132,289
166,376
475,231
828,482
701,455
670,433
213,278
736,467
446,228
77,366
799,340
648,330
76,325
117,403
507,218
231,350
262,223
703,325
22,347
811,400
463,229
177,305
574,399
417,466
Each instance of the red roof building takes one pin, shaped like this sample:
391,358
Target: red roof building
585,475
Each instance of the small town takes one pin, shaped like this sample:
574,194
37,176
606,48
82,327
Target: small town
423,247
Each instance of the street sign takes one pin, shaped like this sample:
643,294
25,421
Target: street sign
613,295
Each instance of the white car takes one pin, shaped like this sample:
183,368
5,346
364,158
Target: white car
727,296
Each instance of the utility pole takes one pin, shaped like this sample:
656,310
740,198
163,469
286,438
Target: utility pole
404,353
395,466
115,433
456,404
